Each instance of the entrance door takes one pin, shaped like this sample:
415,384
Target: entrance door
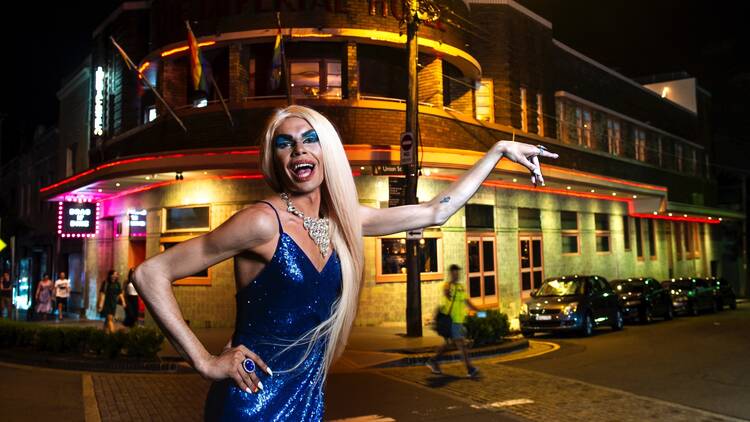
136,256
481,269
531,264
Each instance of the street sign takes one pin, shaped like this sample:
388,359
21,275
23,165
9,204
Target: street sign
407,149
415,234
2,245
396,190
386,170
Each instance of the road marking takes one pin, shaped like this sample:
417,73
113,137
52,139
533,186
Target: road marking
90,407
368,418
504,403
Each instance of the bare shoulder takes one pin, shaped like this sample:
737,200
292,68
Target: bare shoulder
256,222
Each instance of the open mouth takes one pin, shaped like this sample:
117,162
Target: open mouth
303,170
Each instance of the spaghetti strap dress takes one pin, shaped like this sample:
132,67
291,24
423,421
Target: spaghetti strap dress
287,299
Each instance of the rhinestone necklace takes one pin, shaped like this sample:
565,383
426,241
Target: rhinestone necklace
317,228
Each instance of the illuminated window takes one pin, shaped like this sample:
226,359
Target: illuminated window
480,274
391,259
678,156
524,111
569,232
316,78
640,145
614,137
638,239
485,105
601,224
583,127
150,114
539,115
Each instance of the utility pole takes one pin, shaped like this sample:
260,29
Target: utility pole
414,12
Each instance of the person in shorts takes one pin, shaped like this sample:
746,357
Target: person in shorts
62,293
454,304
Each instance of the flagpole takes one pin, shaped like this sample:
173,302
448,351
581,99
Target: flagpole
145,80
287,71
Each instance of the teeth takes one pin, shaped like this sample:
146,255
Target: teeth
302,165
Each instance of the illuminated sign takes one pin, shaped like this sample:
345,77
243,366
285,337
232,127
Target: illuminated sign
99,101
77,219
137,222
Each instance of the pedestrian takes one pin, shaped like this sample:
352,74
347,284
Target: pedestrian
131,299
454,305
109,295
62,293
43,295
6,295
300,259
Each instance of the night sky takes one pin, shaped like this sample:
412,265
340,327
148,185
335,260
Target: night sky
635,37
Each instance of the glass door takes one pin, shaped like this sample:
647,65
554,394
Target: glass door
481,269
531,263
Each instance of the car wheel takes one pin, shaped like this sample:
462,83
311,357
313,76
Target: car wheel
617,321
587,325
670,313
733,304
647,315
527,334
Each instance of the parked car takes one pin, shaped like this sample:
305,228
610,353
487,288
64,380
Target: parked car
576,303
643,299
691,295
724,293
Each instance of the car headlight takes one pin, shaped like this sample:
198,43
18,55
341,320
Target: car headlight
524,309
570,308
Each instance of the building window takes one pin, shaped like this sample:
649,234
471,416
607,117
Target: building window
524,111
381,71
678,239
626,232
687,232
532,267
601,224
391,265
316,78
481,275
640,145
251,76
678,156
70,159
614,136
149,115
185,219
569,232
539,115
638,239
583,127
651,238
485,101
480,216
529,219
660,151
694,160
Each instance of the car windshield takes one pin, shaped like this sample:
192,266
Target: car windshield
561,288
630,287
683,284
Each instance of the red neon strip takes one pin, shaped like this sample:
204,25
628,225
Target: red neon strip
565,192
252,151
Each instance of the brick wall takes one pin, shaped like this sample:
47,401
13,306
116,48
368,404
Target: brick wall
430,80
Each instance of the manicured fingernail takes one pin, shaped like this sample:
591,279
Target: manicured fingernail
270,372
248,390
260,385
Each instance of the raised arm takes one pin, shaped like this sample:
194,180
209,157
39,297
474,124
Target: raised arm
246,230
381,222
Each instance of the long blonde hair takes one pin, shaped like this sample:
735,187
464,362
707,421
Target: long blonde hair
340,204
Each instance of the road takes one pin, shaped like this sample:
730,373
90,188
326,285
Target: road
701,362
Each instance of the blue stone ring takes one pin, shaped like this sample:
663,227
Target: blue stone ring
248,365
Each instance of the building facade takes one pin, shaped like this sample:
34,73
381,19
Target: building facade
631,194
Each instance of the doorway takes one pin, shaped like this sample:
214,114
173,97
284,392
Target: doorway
531,263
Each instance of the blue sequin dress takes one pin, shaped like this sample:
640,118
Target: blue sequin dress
286,300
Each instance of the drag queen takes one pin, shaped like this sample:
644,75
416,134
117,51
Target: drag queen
298,266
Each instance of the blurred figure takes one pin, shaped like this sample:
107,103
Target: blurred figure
6,295
454,304
109,295
44,291
131,299
62,293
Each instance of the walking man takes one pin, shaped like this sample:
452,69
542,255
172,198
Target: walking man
454,304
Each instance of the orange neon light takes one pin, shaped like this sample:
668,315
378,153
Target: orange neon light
144,66
185,47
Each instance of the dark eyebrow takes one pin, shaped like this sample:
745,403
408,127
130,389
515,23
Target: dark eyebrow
284,136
